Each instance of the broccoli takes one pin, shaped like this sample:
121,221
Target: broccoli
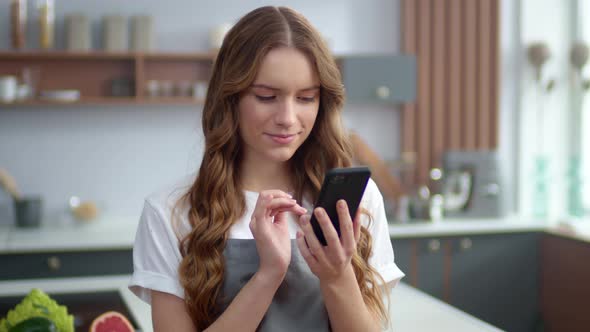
39,304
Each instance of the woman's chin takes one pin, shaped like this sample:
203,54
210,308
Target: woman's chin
282,155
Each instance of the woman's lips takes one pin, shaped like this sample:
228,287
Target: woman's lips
282,139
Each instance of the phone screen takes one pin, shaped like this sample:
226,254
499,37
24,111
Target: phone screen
340,183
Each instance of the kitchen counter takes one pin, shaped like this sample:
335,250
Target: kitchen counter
103,234
119,233
408,306
573,229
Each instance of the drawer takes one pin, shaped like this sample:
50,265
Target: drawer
65,264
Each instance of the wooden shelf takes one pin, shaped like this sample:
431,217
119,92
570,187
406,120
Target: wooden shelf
123,101
100,75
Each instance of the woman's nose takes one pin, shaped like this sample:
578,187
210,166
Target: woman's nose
286,114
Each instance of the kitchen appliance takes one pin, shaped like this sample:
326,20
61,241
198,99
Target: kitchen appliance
472,185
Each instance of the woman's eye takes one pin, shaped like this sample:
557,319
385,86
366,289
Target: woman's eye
265,98
307,99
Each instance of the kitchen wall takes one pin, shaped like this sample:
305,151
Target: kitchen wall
117,155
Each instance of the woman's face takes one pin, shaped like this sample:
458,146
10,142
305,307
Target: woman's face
277,113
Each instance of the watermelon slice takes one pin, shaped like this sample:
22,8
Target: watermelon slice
111,321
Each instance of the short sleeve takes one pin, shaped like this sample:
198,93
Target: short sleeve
382,258
156,256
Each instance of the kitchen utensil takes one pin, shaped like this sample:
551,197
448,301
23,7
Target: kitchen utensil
200,90
122,87
9,184
142,33
473,184
8,89
420,204
18,16
27,211
217,34
46,18
77,32
60,95
83,210
115,33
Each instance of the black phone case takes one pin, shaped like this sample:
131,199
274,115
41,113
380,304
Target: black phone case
340,183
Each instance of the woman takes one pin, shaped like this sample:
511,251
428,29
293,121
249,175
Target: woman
232,248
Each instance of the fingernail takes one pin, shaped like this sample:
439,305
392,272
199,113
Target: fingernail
303,220
299,234
341,204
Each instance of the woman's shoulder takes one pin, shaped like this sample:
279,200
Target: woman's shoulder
166,197
165,200
372,194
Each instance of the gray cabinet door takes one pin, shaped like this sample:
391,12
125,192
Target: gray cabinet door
430,270
65,264
402,249
495,278
386,79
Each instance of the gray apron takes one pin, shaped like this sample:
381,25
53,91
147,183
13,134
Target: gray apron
297,305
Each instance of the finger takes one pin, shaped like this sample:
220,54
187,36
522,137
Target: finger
260,207
296,209
281,203
304,250
346,231
314,245
327,227
276,193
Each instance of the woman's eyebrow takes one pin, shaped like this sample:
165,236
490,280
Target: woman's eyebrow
268,87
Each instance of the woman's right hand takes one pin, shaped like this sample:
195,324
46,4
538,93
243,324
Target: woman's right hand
269,226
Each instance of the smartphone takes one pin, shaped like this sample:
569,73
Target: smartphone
340,183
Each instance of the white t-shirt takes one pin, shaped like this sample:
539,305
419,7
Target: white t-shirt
156,254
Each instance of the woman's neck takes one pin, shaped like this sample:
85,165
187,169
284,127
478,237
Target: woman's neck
259,176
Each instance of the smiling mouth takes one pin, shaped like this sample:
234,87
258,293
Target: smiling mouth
282,138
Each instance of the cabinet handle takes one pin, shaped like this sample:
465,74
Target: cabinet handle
465,244
54,263
383,92
434,245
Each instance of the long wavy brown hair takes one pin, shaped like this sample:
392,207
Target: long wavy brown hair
216,200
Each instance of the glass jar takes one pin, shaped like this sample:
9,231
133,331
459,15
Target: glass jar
18,18
46,11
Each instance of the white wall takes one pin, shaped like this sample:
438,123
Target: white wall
117,155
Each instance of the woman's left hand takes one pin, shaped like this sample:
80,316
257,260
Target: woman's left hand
329,262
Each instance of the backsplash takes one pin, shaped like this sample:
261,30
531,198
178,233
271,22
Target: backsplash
116,156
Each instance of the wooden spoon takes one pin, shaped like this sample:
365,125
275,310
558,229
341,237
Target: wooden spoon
8,183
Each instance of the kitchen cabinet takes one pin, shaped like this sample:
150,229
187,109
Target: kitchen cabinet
430,266
65,264
493,277
380,78
565,283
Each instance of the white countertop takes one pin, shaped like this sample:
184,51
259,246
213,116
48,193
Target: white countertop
466,226
408,308
110,233
119,233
